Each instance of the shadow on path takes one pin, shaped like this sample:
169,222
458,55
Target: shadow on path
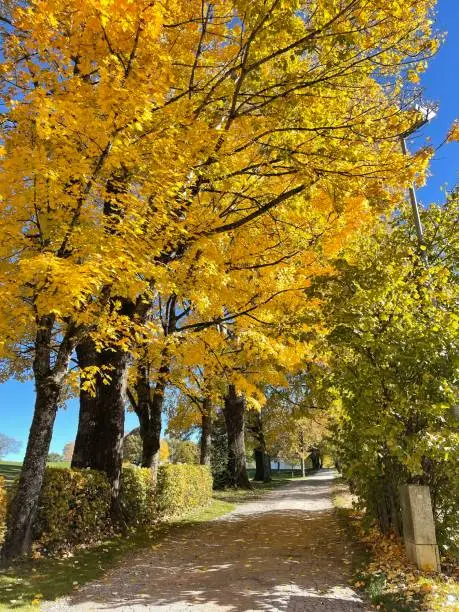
285,551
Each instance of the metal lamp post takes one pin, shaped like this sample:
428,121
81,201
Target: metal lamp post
428,114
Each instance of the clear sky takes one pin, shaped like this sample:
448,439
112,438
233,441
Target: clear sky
441,83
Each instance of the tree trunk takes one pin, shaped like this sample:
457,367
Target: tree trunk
234,409
315,458
48,387
86,441
262,466
19,535
303,452
149,407
262,459
206,432
107,454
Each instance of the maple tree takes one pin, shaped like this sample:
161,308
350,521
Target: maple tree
219,153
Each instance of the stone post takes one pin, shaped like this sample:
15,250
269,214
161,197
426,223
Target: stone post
419,527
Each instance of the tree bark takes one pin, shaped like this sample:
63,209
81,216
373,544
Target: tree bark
315,458
148,407
107,453
233,410
262,466
86,441
99,441
206,432
303,453
49,381
148,404
262,459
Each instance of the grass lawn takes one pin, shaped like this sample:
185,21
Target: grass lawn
11,469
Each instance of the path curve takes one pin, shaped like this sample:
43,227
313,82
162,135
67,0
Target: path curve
287,551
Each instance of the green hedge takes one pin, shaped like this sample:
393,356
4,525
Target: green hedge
2,505
74,508
181,488
74,505
137,495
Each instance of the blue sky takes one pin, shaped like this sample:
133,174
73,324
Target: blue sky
441,83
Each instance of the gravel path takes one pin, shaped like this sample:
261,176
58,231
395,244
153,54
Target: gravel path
286,551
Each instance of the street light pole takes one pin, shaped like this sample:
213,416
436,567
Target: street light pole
414,203
428,114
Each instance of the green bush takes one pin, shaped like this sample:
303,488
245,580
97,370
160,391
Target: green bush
74,505
181,488
2,505
136,495
74,508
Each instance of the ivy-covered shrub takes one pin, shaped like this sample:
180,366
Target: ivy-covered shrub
74,508
182,487
136,495
2,505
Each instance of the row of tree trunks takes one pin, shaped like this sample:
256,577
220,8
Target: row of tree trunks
234,412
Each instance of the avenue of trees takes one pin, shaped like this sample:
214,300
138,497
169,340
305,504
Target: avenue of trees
187,191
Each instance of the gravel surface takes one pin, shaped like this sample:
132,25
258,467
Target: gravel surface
286,551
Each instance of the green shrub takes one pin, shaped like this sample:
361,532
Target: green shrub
74,508
181,488
136,495
2,505
74,505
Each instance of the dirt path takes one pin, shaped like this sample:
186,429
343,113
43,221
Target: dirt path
286,551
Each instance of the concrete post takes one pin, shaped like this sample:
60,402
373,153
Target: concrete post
419,527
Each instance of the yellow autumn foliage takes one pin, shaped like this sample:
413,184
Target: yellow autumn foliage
223,154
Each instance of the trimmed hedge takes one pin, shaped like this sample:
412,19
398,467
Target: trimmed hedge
137,495
74,505
2,505
74,508
182,487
